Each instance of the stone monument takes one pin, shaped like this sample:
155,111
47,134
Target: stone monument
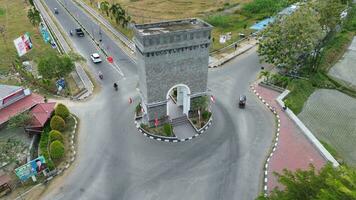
171,54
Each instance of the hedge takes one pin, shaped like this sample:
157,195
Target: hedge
43,147
62,111
56,149
55,135
57,123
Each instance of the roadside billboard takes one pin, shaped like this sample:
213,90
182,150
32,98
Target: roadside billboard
23,44
32,168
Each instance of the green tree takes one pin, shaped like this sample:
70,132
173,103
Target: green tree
34,16
62,111
329,12
55,135
56,150
104,7
57,123
327,184
20,120
31,2
119,14
54,66
290,38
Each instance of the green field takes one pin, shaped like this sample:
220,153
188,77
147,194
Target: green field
226,16
13,16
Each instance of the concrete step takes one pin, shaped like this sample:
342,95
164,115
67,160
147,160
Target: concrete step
179,121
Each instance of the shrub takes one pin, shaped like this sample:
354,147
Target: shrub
167,129
57,123
62,111
20,120
264,7
205,115
56,149
55,135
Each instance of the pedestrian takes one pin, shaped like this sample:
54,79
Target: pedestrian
284,108
235,46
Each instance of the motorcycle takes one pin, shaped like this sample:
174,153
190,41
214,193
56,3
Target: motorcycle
101,76
71,33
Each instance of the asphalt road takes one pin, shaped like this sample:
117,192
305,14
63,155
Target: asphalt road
116,162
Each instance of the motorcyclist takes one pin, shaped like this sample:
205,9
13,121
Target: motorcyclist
100,75
71,32
115,86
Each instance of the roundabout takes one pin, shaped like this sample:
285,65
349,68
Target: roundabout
114,161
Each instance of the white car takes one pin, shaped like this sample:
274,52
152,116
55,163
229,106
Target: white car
95,57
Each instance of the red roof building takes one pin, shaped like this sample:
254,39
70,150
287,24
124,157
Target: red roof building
41,113
19,106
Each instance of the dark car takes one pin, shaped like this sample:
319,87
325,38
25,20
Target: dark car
242,101
79,32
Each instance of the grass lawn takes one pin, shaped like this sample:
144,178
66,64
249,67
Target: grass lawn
13,15
225,15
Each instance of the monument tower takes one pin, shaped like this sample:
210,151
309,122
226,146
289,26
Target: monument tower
172,57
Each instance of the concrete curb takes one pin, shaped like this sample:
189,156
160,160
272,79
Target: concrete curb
275,141
324,152
72,146
230,57
173,139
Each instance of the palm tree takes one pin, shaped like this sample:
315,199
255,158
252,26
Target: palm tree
104,7
114,9
265,74
34,16
126,21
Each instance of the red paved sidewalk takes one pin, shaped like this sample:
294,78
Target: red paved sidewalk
293,151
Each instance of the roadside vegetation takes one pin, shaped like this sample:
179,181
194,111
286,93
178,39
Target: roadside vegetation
54,140
14,22
305,45
165,130
16,19
327,184
235,16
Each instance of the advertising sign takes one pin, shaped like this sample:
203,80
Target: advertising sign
23,44
32,168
